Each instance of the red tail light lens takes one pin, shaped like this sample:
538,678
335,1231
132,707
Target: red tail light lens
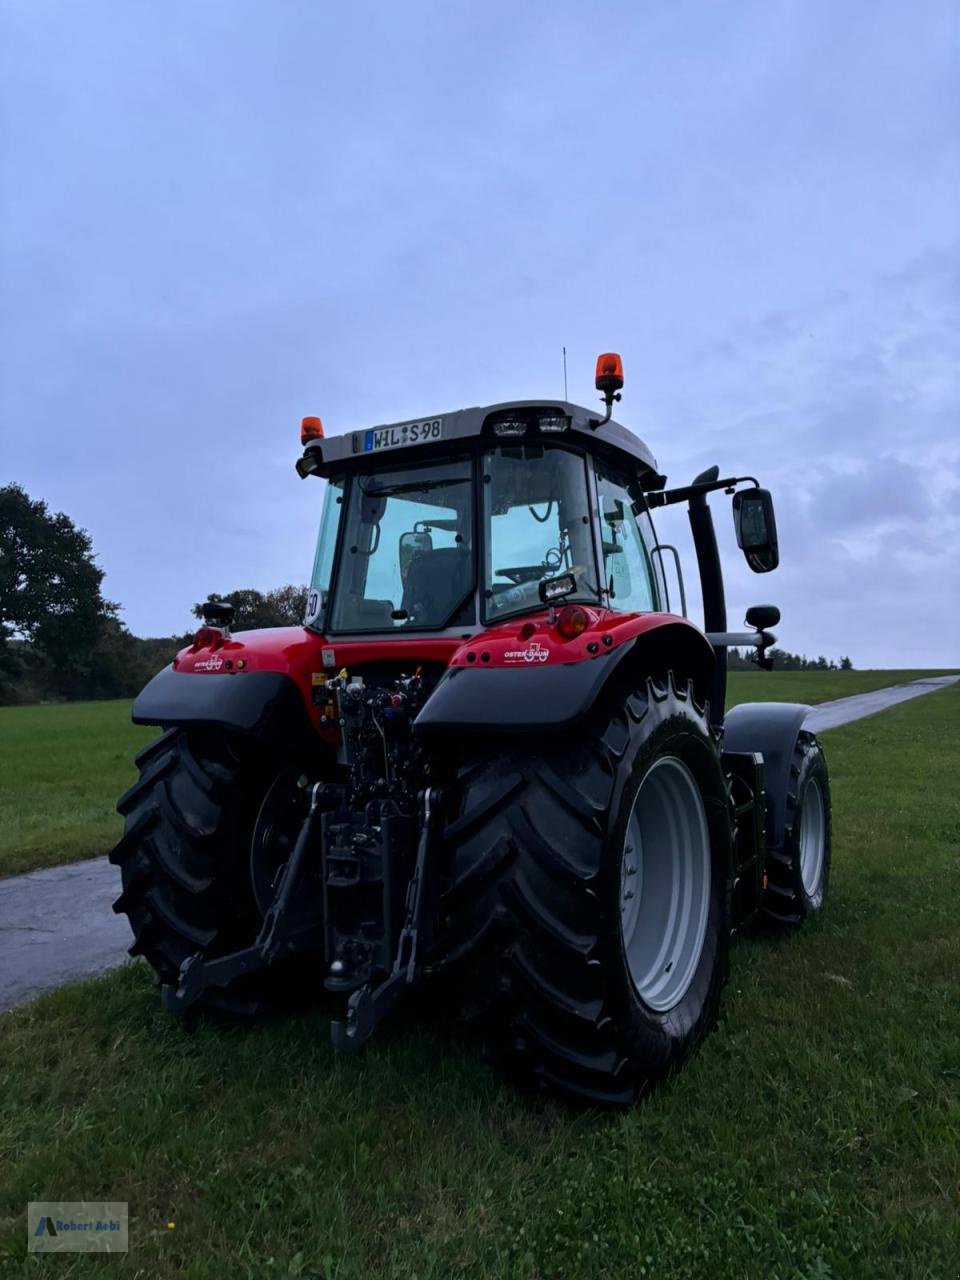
572,621
208,638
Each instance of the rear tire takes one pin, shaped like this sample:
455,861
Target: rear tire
569,995
798,873
185,859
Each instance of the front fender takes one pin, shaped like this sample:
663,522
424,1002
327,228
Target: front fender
770,728
265,704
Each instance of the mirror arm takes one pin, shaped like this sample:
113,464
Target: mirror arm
711,588
759,640
667,497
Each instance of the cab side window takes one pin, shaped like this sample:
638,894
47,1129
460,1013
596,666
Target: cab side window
628,575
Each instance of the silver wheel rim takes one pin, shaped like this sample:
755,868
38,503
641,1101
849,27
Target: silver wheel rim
812,837
665,884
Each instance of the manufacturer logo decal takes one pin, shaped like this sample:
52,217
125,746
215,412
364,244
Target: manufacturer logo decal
535,652
208,664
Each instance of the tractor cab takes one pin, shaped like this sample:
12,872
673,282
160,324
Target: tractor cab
469,519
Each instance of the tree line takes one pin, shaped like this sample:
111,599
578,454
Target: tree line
62,639
783,660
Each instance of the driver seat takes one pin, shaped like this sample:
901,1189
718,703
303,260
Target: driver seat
436,582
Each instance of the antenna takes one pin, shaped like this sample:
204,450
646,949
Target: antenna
565,396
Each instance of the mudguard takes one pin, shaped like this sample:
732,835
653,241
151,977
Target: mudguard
266,704
494,697
770,728
516,699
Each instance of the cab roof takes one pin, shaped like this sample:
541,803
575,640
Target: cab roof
392,441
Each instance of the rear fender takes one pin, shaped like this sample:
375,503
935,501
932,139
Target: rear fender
267,705
673,646
770,728
555,695
269,683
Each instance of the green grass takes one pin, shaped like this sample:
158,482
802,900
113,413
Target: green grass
816,1134
62,769
813,686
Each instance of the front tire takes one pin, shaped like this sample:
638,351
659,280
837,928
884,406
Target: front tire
798,872
590,899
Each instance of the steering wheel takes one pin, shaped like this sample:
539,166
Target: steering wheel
521,573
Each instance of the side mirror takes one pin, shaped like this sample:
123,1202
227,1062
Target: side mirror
763,616
412,545
756,527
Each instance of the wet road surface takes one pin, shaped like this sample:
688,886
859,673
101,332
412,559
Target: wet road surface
57,925
830,715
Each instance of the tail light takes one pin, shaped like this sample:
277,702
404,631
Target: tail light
572,621
208,638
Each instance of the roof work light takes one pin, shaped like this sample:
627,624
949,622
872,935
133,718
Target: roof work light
510,427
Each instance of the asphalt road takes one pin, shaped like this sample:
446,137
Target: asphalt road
57,925
830,715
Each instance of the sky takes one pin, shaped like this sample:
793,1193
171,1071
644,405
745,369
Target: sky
218,217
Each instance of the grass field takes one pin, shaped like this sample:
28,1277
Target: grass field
62,768
816,1134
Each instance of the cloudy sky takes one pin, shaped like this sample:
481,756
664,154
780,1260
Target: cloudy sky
216,217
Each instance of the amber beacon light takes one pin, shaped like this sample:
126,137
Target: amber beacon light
312,429
609,382
609,372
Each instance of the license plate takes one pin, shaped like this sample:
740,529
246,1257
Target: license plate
407,433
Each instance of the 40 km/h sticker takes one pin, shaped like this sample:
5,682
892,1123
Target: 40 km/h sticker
406,433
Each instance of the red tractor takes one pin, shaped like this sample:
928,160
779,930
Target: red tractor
493,756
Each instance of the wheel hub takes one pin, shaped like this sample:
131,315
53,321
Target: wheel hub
665,884
812,837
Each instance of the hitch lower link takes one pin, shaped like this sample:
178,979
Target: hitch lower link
286,928
290,926
371,1003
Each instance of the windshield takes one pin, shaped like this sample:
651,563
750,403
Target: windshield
406,558
537,511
